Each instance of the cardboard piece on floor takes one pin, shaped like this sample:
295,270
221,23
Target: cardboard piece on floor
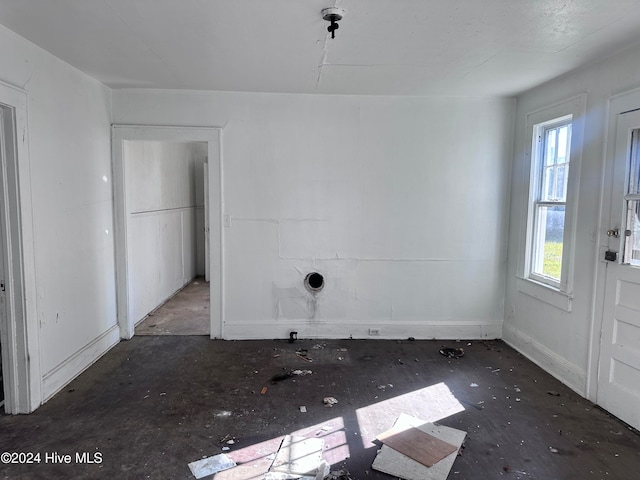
210,465
298,458
395,463
416,444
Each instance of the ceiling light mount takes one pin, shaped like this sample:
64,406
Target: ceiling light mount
333,15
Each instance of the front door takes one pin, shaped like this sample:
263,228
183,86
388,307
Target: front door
619,363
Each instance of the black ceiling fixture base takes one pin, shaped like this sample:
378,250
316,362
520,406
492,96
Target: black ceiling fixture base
333,15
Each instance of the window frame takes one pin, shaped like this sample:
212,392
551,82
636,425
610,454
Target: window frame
534,233
559,293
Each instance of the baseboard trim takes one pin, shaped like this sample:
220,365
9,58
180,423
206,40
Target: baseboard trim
65,372
340,329
559,367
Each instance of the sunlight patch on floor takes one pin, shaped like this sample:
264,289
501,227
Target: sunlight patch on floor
254,461
429,404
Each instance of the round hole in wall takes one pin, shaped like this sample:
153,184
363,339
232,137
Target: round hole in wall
314,282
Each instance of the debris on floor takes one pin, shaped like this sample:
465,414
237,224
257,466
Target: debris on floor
281,376
293,336
452,352
413,437
303,409
228,439
210,465
461,449
473,385
291,373
299,458
329,401
553,393
303,354
339,475
323,430
263,391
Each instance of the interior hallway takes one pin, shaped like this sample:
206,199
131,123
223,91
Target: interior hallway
185,313
153,404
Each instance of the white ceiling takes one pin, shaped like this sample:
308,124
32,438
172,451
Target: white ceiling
383,47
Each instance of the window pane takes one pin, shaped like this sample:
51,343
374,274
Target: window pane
548,182
563,153
555,164
632,244
634,175
547,259
561,182
550,147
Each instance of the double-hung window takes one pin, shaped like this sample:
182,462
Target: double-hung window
554,138
549,176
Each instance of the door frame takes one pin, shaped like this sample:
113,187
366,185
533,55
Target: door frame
617,104
20,330
213,137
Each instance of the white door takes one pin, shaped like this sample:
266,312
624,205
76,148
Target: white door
619,363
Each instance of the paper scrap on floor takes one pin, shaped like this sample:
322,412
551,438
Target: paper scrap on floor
210,465
299,458
395,463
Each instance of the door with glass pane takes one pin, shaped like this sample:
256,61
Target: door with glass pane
619,363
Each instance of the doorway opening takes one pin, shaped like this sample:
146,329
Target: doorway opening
5,131
168,244
20,379
166,237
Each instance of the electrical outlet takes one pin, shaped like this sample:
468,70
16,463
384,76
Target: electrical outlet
374,331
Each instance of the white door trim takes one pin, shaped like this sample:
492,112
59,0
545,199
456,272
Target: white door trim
20,332
207,250
617,104
210,135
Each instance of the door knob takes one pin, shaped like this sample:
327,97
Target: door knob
613,233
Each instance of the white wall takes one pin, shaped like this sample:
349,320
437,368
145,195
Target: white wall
69,147
559,340
164,203
399,202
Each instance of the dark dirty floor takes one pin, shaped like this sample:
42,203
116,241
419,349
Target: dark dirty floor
156,403
185,313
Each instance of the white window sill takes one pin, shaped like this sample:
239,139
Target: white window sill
544,293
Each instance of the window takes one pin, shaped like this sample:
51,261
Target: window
554,137
549,179
632,198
